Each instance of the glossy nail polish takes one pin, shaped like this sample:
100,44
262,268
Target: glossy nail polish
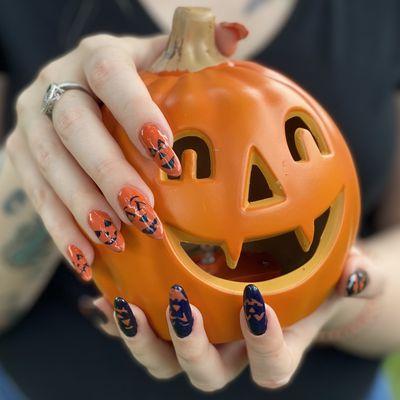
156,144
357,282
254,310
180,312
126,319
106,231
140,212
79,262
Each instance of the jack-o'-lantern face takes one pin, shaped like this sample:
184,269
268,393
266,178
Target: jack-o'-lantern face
268,194
107,233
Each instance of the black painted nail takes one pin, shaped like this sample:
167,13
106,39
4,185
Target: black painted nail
180,312
254,310
126,319
357,282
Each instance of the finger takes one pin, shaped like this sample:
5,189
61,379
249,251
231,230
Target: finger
76,190
126,192
156,355
56,218
100,313
271,360
112,75
197,356
361,278
227,36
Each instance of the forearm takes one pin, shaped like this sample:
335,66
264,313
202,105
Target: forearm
372,327
28,256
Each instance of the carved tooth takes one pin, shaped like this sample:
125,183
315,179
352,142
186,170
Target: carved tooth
232,250
305,235
189,164
306,145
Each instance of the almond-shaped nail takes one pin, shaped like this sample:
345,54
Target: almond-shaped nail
140,212
79,262
238,29
156,144
180,313
126,319
254,310
106,231
357,282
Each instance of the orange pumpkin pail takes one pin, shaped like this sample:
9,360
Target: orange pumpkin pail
268,193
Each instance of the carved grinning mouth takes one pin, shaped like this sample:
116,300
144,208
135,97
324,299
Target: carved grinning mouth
261,259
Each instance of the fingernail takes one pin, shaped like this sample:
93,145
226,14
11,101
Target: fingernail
254,310
180,313
79,262
140,213
106,231
126,319
90,311
156,144
357,282
238,29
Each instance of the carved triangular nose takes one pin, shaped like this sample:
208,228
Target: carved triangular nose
232,249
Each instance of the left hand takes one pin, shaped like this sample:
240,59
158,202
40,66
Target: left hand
274,353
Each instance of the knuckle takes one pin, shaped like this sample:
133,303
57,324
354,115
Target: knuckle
43,151
106,169
47,73
66,118
21,104
190,355
101,68
91,43
39,197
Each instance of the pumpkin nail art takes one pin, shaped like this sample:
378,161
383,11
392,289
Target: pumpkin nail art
254,310
106,231
126,319
140,213
79,262
180,313
156,144
357,282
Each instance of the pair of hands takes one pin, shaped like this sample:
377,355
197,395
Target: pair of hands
77,178
274,354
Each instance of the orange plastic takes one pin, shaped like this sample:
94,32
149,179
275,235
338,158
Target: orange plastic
239,109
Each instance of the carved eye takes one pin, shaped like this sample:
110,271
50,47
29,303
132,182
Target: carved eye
197,165
107,223
302,133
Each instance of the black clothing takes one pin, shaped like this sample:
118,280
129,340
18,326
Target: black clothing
345,53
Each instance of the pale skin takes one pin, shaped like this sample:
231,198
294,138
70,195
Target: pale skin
51,157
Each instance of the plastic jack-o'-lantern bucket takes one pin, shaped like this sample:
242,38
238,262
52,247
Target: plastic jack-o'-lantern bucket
268,194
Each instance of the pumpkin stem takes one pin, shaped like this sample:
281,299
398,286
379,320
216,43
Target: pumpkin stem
191,45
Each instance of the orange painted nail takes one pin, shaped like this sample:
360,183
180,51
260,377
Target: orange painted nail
156,144
106,231
140,213
238,29
79,262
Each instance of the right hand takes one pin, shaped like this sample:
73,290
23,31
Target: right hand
72,169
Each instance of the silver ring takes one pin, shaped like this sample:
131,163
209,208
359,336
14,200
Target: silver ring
54,93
